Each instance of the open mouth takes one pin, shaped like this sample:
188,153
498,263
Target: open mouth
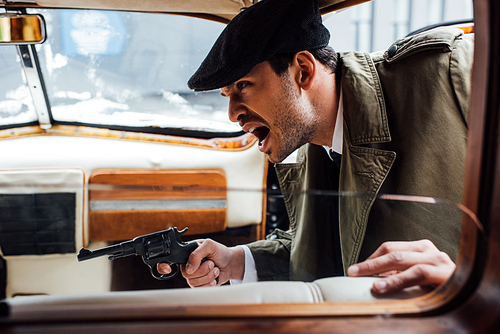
261,133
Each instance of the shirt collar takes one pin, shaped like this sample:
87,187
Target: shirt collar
338,132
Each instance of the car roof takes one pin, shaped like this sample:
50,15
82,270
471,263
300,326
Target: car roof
220,10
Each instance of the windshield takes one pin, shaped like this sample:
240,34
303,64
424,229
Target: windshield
129,69
16,105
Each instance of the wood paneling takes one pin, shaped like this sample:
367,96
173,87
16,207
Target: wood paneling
124,225
164,185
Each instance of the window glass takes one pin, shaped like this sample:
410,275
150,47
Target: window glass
98,71
362,22
129,69
401,18
115,221
16,105
435,11
375,25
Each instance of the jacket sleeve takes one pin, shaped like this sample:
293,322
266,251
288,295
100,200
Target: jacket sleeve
460,71
272,256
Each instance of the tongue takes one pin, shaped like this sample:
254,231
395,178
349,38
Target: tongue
261,133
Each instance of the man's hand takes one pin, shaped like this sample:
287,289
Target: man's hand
406,263
210,264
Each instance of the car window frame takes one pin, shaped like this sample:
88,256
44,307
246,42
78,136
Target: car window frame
468,301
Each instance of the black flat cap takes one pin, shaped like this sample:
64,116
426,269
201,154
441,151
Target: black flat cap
266,28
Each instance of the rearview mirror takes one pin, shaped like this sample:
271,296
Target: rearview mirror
21,29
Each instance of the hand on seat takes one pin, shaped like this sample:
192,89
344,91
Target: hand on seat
405,263
210,264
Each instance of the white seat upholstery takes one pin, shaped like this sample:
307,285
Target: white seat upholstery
335,289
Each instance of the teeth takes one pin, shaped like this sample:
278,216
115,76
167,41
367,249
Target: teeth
251,130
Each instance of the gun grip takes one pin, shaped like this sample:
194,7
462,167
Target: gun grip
157,275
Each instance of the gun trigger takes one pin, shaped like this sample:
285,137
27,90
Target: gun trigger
157,275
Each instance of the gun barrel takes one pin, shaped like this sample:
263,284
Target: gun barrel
86,254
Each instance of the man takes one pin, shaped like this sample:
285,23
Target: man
398,121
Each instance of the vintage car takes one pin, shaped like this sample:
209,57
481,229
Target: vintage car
101,141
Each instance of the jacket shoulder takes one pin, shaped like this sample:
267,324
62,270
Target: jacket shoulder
445,39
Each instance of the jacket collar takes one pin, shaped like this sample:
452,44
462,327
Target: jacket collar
365,112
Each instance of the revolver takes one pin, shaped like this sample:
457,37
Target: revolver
163,246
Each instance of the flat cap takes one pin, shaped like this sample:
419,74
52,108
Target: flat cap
261,31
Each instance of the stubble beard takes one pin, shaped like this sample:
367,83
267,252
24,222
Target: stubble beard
295,120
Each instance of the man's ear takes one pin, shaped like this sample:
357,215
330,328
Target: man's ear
305,67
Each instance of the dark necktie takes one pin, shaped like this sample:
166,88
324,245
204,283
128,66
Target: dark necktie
336,157
333,179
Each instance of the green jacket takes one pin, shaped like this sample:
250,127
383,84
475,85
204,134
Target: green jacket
405,130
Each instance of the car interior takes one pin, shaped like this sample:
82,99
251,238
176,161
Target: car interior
102,142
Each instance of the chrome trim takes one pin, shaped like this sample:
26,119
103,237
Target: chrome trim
158,204
30,66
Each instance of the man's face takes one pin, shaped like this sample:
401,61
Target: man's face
270,107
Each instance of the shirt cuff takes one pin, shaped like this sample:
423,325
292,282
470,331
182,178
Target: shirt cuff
250,274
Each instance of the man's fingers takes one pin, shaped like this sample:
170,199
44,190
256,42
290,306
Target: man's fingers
421,274
163,268
196,257
407,264
210,262
410,246
398,260
209,280
213,283
206,275
202,270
